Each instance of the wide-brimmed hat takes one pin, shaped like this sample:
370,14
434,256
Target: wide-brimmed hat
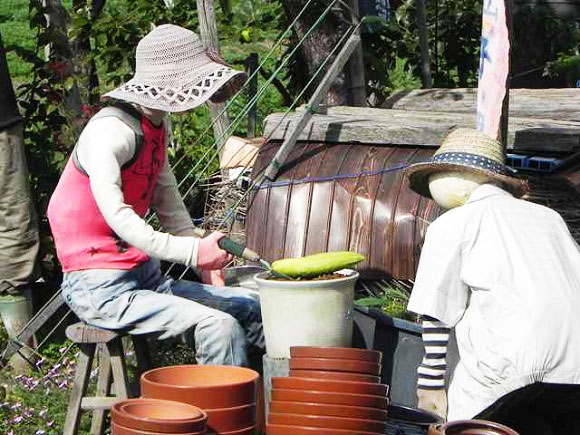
175,72
466,150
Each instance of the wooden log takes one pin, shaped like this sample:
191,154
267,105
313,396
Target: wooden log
419,128
562,104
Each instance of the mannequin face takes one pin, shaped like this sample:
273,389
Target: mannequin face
452,189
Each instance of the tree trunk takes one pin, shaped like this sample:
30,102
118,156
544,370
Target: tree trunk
317,46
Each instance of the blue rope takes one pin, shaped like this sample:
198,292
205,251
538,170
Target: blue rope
327,178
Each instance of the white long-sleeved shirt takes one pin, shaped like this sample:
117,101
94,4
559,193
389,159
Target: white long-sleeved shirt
104,146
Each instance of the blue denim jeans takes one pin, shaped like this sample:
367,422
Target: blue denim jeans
226,321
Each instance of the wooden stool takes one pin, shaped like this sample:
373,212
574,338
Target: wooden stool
108,348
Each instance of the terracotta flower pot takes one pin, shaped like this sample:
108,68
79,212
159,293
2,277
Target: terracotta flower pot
208,387
157,415
278,429
338,376
329,410
245,431
373,356
329,398
294,383
471,427
117,429
228,419
335,365
327,422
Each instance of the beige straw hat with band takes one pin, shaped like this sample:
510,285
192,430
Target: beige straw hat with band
175,72
466,150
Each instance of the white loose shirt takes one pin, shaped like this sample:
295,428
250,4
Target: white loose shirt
104,146
506,274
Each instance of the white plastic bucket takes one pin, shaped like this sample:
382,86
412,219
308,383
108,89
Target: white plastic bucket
306,313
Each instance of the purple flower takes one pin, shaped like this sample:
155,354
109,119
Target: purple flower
39,432
40,362
17,419
62,349
63,385
16,406
50,423
42,412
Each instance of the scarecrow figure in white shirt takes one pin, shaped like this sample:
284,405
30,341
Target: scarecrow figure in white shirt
118,171
504,273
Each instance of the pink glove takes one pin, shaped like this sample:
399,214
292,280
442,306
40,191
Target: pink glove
213,277
434,401
210,255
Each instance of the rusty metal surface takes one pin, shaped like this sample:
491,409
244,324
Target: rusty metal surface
375,215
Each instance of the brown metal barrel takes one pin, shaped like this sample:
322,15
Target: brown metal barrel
342,197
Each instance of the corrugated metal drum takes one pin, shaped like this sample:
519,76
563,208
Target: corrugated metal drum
342,197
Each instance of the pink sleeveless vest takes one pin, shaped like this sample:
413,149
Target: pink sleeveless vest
82,237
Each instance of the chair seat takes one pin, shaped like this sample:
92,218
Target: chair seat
83,333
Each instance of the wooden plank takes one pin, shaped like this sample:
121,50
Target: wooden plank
418,128
83,333
99,403
424,44
79,388
118,367
102,389
562,104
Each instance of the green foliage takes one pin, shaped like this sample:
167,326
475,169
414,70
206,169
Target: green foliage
391,300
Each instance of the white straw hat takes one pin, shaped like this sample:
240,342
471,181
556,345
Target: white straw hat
175,72
466,150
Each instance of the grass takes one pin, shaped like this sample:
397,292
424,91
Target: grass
16,31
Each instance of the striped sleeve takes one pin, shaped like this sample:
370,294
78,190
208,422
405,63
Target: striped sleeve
431,372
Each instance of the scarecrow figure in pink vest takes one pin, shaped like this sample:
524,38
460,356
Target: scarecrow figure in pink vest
504,273
118,171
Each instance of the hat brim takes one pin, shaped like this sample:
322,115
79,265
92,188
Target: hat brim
164,100
419,173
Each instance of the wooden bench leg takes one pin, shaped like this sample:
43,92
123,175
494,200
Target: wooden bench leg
79,388
119,368
103,388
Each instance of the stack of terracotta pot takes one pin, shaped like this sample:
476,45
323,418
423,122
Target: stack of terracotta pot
155,417
330,391
227,394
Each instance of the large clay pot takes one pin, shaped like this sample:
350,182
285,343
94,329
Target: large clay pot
208,387
471,427
373,356
329,410
326,397
279,429
245,431
117,429
336,365
155,415
294,383
327,422
338,376
230,419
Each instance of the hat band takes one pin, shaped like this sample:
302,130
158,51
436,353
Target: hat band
474,161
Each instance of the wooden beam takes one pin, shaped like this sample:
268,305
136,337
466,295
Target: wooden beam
356,67
561,104
418,128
